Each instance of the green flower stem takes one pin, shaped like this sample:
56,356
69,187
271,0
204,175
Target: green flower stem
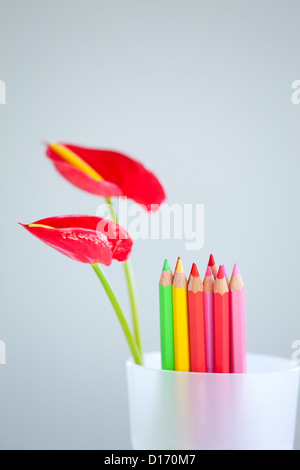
131,288
115,303
133,303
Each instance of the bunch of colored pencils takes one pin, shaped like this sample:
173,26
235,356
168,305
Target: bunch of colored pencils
202,324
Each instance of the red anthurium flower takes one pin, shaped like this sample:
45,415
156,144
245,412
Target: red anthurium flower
106,173
84,238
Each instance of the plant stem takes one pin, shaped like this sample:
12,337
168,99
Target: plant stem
115,303
133,302
131,288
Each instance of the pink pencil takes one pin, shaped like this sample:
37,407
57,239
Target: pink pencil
225,273
208,283
238,359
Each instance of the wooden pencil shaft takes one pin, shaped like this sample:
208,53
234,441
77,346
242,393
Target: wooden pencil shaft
236,283
221,286
180,280
166,278
195,284
208,284
214,271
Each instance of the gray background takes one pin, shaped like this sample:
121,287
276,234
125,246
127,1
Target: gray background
200,91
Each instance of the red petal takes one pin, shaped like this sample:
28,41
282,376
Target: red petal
85,238
83,181
129,176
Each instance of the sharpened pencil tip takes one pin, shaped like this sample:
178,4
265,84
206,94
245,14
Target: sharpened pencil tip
179,266
194,271
211,261
220,273
224,269
166,266
236,269
208,272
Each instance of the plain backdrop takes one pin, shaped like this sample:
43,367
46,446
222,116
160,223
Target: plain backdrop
200,92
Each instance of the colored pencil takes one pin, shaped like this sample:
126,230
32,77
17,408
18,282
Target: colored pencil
213,266
208,283
196,322
238,359
225,273
221,324
180,318
166,318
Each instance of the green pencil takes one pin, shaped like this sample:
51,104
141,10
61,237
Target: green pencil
166,318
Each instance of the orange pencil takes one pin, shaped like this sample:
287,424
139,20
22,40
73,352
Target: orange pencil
221,324
196,322
213,266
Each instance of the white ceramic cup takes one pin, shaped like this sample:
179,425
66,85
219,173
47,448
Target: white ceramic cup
183,410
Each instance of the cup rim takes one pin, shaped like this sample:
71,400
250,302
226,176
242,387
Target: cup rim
294,367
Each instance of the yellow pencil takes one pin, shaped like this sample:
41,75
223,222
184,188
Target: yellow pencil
180,319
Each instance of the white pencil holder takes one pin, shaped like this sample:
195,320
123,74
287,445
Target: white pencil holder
190,411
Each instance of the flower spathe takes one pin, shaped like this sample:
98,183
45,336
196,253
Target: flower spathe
87,239
107,173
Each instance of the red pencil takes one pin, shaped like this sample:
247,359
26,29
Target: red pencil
196,322
221,324
213,266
